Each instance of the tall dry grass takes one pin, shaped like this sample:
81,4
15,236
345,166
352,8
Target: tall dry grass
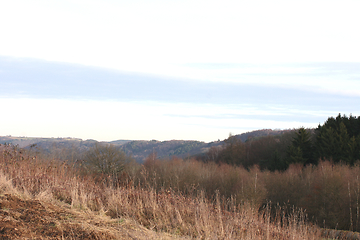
329,193
190,176
164,209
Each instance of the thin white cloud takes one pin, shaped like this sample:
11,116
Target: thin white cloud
112,120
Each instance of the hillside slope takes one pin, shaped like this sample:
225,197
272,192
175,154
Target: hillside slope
34,219
72,148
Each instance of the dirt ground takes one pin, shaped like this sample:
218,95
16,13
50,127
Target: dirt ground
32,219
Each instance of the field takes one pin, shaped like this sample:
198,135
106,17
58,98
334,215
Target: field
49,199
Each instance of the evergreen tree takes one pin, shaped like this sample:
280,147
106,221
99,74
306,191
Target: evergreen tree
354,149
326,143
338,139
276,162
301,149
343,149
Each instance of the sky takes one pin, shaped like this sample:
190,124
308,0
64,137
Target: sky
192,70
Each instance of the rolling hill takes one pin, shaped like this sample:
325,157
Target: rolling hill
72,148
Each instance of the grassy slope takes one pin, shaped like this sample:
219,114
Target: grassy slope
72,206
23,218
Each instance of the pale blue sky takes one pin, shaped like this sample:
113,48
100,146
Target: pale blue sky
163,70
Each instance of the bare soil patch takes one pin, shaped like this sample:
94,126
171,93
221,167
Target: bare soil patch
22,219
32,219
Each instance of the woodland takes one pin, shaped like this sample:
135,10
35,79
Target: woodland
337,140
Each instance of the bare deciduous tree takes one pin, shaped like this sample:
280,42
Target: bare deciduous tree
106,159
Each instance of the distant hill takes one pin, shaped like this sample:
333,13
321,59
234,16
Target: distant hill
259,133
72,148
166,149
119,142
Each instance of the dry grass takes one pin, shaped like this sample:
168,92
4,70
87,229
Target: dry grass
328,192
100,204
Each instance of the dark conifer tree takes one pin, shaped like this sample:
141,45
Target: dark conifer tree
338,139
301,149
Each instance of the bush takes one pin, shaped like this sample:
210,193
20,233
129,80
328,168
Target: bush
106,159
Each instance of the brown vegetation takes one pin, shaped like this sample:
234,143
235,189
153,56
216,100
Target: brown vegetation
182,198
329,193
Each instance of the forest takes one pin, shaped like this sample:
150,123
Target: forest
337,140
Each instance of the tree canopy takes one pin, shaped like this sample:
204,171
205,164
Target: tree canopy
338,140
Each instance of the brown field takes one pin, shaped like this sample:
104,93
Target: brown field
44,199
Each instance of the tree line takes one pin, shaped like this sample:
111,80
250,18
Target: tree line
337,140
